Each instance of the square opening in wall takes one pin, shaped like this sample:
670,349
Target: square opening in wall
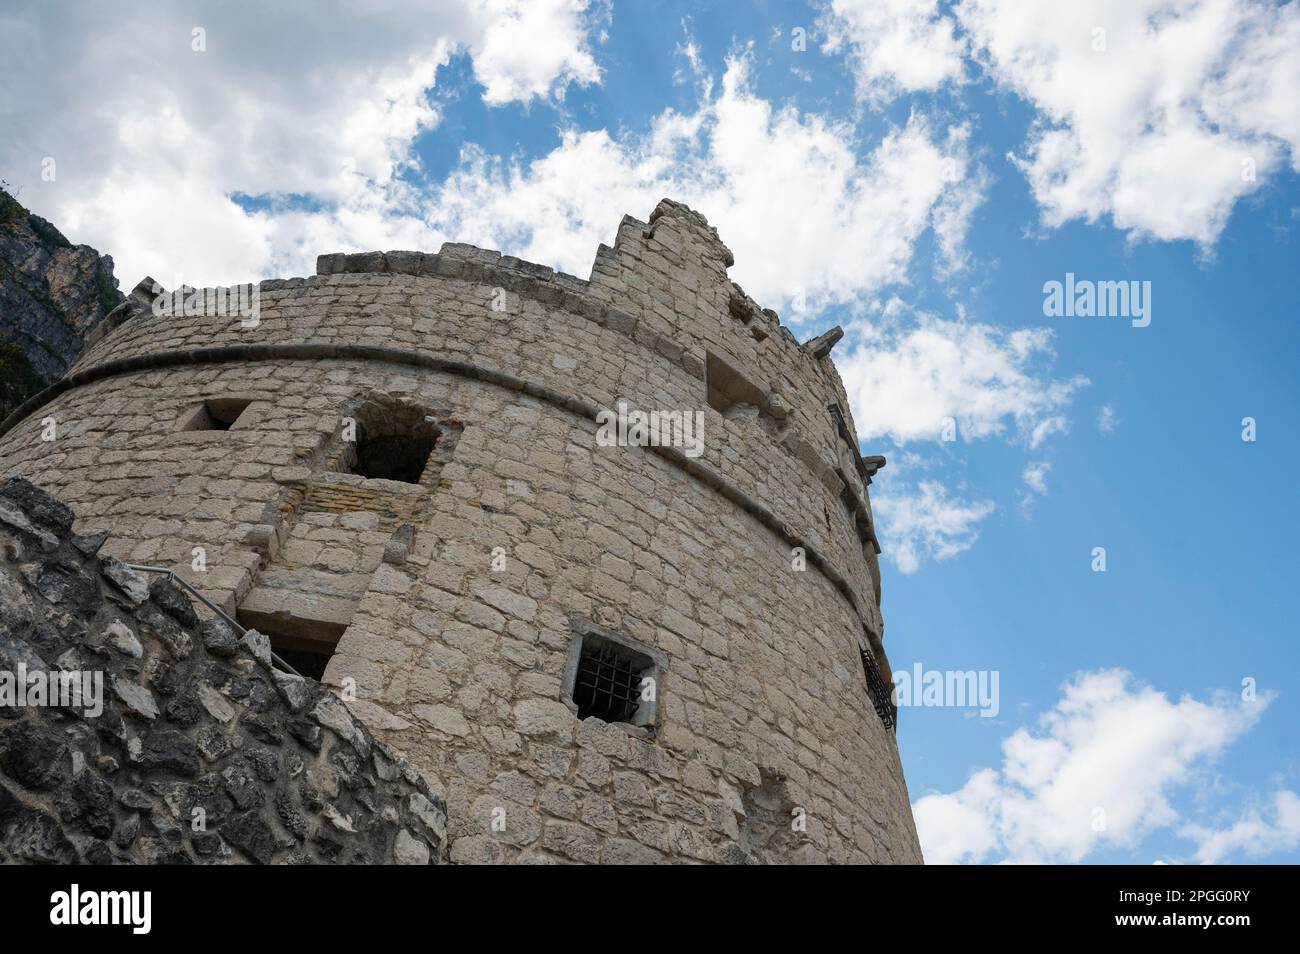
216,414
612,678
305,644
393,442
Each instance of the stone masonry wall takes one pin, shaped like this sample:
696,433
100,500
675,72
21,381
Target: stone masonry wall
197,750
457,641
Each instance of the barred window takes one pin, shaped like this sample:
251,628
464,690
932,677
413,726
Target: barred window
882,696
612,678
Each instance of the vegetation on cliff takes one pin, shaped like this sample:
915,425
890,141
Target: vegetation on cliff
52,293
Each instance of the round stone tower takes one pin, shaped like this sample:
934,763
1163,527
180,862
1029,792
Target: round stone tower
596,556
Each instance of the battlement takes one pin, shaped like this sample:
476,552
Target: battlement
681,246
664,283
662,287
669,273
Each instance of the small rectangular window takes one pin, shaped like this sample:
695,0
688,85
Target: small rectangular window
216,414
305,644
393,441
609,682
612,678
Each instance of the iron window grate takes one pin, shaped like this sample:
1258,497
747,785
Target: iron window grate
608,682
881,695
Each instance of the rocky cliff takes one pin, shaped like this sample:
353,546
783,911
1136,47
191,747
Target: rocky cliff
194,748
52,293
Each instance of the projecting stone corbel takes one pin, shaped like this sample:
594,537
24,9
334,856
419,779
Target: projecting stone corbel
821,345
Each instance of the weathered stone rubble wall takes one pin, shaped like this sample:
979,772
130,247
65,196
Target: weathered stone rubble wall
458,664
201,753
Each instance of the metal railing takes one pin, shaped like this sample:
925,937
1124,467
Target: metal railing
171,575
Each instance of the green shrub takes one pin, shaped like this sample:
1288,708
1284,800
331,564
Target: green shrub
47,232
18,379
106,290
10,210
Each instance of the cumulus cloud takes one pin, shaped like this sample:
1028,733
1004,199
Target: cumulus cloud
904,380
893,46
152,138
1157,113
530,50
914,377
316,120
812,223
1257,833
925,522
1097,771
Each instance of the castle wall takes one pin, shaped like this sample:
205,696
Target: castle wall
457,658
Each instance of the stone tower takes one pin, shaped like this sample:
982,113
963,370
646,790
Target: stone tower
639,649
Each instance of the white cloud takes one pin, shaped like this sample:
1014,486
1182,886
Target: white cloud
149,164
893,46
811,224
1098,771
531,49
952,218
1154,130
925,522
1035,476
911,377
151,138
904,380
1046,427
1106,420
1255,834
693,62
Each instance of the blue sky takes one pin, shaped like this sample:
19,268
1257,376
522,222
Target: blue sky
919,170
